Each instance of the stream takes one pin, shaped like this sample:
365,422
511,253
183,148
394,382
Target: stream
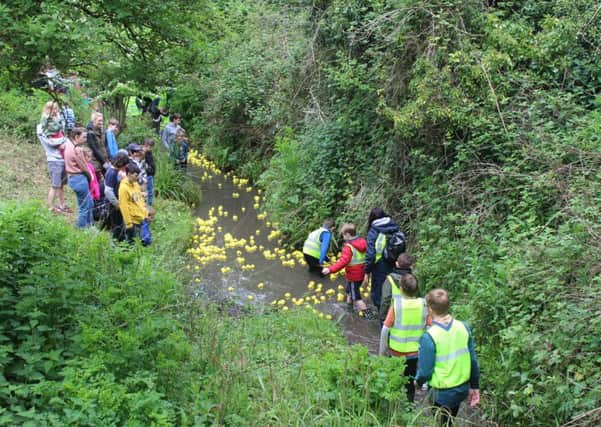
239,257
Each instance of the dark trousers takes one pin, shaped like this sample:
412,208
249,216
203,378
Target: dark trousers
313,264
445,415
410,372
116,224
132,233
378,275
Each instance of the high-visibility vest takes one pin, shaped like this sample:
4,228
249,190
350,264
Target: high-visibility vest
358,256
452,366
395,288
409,323
312,245
380,245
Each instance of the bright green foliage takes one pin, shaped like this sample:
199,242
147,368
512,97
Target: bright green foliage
293,369
90,334
106,42
21,114
476,125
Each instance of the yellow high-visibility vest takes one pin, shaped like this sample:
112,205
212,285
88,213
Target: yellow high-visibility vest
358,256
312,245
452,366
394,287
409,323
380,245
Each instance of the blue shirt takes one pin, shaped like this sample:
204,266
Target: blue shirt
450,397
325,238
111,144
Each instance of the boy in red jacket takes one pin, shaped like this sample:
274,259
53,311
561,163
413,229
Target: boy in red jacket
352,259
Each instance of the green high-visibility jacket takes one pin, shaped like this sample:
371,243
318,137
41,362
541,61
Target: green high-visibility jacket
358,256
312,245
409,323
452,365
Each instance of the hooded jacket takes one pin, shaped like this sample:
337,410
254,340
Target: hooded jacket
353,273
381,225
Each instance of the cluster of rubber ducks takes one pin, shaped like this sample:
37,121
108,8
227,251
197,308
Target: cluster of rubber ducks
208,167
205,249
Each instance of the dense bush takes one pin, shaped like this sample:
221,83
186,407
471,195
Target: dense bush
21,114
91,334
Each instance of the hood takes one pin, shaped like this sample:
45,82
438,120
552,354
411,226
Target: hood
385,225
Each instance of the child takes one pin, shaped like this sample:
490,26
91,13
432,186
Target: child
404,324
145,234
150,169
111,190
179,149
352,259
136,155
69,117
93,184
53,124
447,359
402,266
317,245
131,203
53,148
111,141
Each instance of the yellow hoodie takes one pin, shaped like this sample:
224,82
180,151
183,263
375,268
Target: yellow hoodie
131,203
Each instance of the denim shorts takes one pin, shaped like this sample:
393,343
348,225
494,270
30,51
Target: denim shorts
58,176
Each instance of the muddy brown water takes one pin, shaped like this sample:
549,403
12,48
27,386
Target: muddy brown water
242,222
277,279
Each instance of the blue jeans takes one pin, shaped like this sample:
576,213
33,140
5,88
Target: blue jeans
150,190
85,204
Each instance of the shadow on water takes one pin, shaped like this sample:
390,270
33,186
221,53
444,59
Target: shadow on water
240,217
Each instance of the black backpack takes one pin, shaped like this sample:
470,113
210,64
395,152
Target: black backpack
395,245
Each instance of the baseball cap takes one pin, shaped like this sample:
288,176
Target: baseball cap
132,148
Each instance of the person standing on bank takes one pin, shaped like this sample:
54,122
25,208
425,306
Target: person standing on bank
447,359
317,245
170,131
79,176
376,267
96,143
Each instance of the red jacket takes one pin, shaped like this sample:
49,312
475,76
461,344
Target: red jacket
353,273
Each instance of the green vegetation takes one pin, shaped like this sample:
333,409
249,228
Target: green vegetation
475,123
90,332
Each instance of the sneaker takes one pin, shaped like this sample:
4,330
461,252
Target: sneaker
368,314
66,209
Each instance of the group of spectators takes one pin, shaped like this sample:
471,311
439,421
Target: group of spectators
173,136
114,186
